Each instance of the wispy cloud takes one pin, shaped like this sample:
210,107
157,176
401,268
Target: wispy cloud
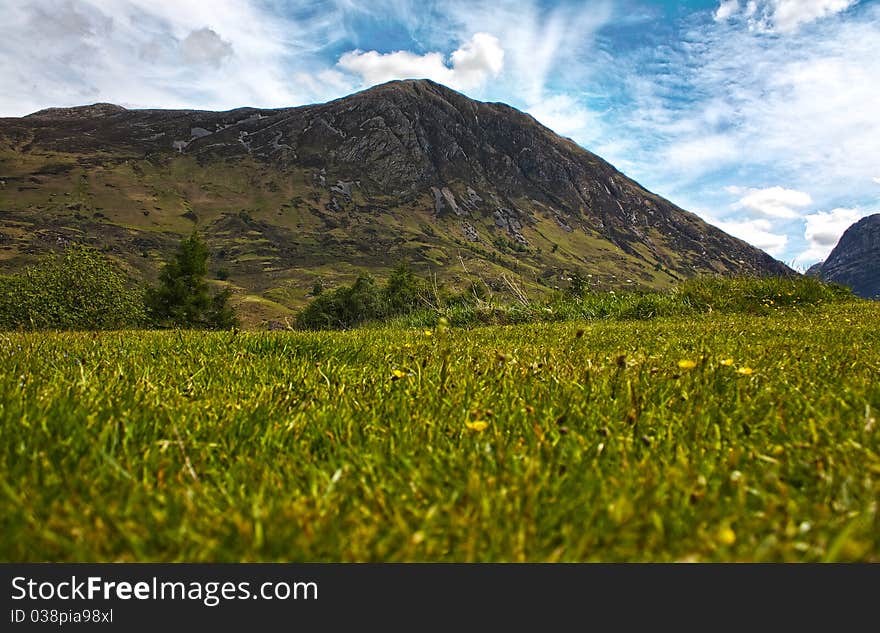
784,16
153,53
801,109
544,45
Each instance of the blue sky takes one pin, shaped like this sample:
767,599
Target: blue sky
761,116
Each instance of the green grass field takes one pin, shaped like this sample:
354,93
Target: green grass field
718,437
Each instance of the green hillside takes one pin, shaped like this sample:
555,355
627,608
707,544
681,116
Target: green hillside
404,172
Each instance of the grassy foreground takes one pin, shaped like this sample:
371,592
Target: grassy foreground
721,437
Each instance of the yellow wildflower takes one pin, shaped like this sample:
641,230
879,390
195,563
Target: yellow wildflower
726,536
428,333
397,374
477,425
727,362
686,364
745,371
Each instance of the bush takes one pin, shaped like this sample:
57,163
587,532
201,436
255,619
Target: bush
343,307
348,306
403,292
78,290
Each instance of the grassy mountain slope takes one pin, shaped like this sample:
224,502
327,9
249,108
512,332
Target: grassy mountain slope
404,171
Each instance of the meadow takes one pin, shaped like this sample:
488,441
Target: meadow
707,437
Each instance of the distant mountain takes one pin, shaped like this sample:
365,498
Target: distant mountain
408,170
813,271
855,261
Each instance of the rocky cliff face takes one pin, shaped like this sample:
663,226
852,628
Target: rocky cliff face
405,170
855,261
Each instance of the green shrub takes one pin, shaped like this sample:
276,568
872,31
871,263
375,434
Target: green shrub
344,307
348,306
77,290
403,292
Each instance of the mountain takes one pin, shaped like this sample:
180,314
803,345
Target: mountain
408,170
855,261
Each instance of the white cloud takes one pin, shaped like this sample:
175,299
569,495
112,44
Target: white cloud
204,46
726,9
776,205
775,202
471,65
876,180
480,58
823,230
784,16
757,233
788,15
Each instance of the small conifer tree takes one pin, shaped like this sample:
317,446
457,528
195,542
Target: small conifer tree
183,298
